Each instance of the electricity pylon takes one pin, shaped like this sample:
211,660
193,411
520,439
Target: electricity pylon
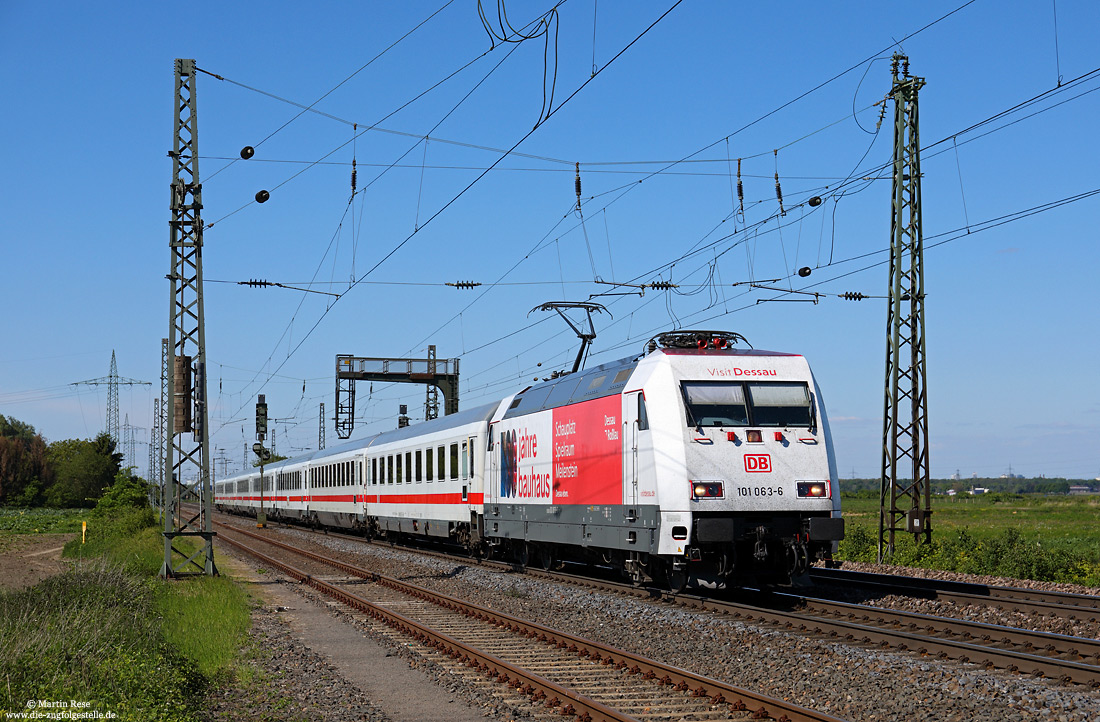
112,381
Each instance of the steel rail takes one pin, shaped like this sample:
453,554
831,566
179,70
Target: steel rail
719,692
1066,671
1078,648
528,683
1061,604
1063,670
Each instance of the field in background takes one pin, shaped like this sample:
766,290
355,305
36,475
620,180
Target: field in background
1031,536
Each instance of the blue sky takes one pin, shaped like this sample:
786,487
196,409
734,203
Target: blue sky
1012,314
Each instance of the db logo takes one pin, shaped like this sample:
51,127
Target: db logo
758,463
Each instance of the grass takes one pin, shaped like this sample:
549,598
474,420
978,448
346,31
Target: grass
205,619
112,633
93,635
1033,536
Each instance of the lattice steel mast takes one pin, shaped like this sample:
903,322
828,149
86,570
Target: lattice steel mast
905,502
187,461
160,425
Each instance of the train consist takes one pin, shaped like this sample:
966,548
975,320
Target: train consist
695,461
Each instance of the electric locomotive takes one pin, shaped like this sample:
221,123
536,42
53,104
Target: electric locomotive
695,461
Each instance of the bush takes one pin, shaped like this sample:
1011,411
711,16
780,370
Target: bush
126,492
858,545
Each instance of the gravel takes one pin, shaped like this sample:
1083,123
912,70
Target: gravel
974,612
282,680
847,681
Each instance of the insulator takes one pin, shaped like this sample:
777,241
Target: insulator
352,175
262,196
805,271
778,190
577,184
740,188
852,296
247,152
815,201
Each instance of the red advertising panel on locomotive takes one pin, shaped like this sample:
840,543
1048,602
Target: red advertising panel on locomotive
588,466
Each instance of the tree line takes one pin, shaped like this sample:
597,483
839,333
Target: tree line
68,473
870,487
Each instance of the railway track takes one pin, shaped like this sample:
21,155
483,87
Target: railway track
1068,659
1071,606
561,673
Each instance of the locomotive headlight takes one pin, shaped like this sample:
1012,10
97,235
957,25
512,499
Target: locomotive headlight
706,490
813,489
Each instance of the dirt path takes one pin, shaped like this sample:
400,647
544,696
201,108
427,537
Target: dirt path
27,559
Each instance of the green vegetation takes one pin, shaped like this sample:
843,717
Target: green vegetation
92,635
1047,538
68,473
111,633
41,521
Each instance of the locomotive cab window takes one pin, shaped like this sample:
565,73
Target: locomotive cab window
779,404
715,404
724,403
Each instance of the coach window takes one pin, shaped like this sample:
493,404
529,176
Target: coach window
454,461
643,415
465,463
399,478
419,464
441,459
389,469
374,471
408,467
428,472
473,448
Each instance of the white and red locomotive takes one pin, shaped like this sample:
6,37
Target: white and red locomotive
693,460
